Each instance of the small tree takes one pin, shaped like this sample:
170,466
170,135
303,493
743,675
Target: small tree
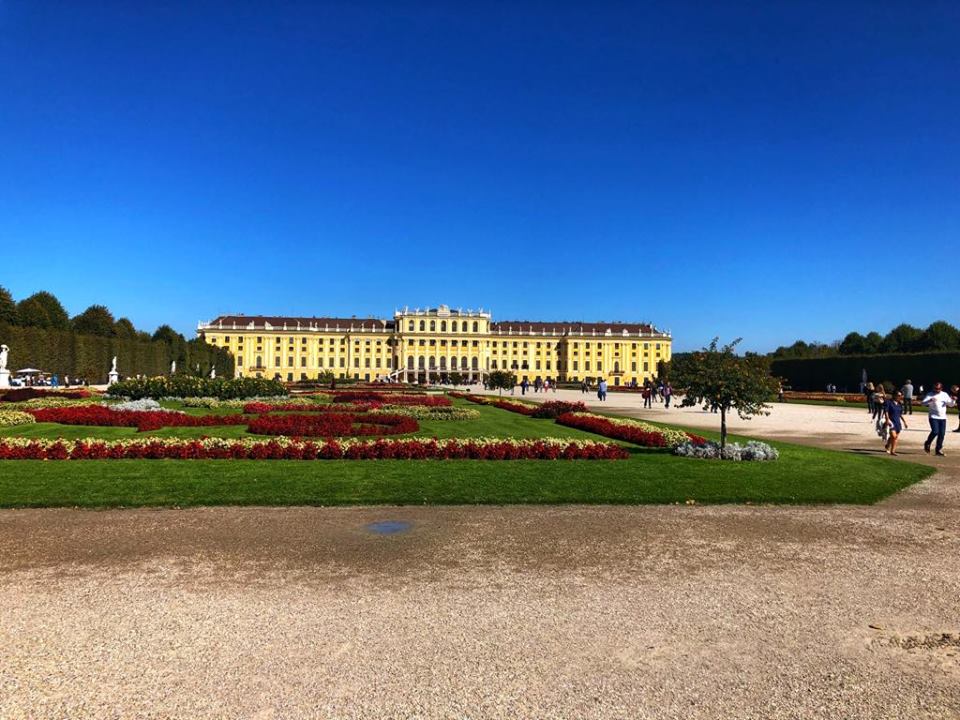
716,377
456,379
501,380
327,378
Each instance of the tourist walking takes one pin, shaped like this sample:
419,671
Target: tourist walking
667,394
523,386
893,417
955,391
602,390
937,403
907,391
647,397
583,387
879,399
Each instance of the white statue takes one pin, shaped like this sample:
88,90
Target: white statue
173,367
113,366
213,372
3,356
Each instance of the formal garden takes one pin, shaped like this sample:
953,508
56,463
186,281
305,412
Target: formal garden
180,441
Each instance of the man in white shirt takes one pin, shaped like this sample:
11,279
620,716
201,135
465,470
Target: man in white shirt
937,403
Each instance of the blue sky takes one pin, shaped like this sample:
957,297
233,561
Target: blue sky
755,169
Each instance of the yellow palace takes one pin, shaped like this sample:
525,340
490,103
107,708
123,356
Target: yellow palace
426,345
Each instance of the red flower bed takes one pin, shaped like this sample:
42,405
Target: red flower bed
621,430
604,427
284,449
332,425
143,420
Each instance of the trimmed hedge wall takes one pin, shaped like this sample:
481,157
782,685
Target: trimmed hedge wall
845,370
88,356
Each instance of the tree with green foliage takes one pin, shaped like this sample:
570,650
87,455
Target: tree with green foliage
8,308
455,378
852,344
872,342
903,338
123,328
43,310
716,377
941,336
95,320
501,380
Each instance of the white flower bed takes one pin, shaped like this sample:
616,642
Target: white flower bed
212,402
751,451
144,405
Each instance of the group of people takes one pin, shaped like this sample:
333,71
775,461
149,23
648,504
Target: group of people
538,385
889,411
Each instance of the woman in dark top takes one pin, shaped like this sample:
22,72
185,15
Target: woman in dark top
893,415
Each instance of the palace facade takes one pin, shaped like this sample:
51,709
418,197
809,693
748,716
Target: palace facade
425,345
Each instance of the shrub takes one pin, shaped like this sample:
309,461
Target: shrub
24,394
102,416
184,386
554,408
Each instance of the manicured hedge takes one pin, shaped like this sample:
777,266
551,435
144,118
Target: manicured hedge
88,356
183,386
845,370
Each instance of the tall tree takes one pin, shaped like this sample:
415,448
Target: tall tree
718,377
95,320
501,380
124,328
941,335
903,338
43,310
852,344
8,308
872,343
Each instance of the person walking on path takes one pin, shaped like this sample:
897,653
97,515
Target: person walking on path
879,399
955,391
937,403
647,399
602,390
868,391
667,394
583,387
907,391
523,387
893,417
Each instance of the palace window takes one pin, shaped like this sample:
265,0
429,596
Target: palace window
356,362
423,325
433,326
290,361
586,365
259,361
453,326
575,365
276,361
260,339
646,366
475,329
443,326
366,363
303,361
633,367
343,363
410,326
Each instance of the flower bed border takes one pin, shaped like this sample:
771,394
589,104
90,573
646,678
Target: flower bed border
283,448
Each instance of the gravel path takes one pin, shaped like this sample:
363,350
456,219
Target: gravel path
548,612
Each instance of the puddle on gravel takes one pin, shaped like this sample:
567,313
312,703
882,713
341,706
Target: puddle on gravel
388,527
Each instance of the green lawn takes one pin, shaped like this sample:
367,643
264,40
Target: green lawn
802,475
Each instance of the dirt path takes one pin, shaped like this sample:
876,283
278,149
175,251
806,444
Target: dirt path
667,612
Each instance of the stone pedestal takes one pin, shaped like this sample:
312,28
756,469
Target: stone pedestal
113,377
4,378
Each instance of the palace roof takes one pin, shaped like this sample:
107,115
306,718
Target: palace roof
275,322
572,327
